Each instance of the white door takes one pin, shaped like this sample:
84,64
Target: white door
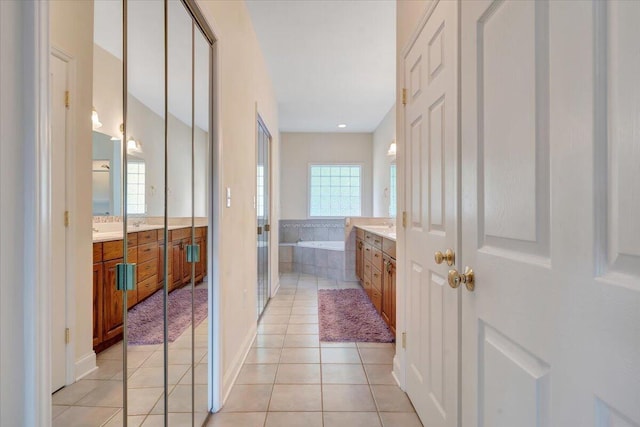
431,135
551,213
58,229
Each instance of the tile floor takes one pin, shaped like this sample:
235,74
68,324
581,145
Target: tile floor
96,400
291,379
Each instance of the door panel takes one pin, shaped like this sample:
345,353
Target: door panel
431,130
549,330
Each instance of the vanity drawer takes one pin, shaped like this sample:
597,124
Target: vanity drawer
113,250
366,285
376,258
97,252
368,252
201,232
147,269
376,280
376,241
376,299
389,248
180,233
147,252
367,270
148,236
132,239
147,287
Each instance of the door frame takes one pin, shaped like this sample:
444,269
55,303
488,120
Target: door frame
269,207
70,230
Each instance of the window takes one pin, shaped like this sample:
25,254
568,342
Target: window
135,188
335,190
392,191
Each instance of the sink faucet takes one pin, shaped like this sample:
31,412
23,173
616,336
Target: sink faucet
95,230
136,223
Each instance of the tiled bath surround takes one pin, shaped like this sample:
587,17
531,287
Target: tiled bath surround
336,265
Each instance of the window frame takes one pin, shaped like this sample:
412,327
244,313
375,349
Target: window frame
333,164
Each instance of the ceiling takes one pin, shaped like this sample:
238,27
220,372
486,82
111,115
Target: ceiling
330,61
146,55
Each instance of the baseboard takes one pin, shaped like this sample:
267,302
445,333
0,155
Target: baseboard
275,289
85,365
230,377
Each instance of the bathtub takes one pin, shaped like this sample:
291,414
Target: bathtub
322,258
321,244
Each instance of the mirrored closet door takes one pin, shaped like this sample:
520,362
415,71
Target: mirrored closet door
151,290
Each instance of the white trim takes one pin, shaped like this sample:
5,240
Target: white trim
37,179
85,365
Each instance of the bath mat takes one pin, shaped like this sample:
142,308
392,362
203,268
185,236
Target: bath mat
348,315
146,320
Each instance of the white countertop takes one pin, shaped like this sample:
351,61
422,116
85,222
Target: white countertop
381,230
106,236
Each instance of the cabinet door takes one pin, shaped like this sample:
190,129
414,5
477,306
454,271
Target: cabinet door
112,302
176,264
97,303
389,292
359,256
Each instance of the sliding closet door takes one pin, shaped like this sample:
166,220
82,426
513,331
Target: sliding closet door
262,214
144,185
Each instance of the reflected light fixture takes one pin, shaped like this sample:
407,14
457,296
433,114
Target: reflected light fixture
342,126
133,145
392,149
95,120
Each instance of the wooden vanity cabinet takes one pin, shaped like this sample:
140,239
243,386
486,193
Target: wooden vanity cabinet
146,250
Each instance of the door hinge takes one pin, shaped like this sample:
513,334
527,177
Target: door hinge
67,336
267,227
259,230
404,340
404,96
66,218
404,219
67,97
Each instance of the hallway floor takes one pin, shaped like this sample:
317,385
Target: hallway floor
291,379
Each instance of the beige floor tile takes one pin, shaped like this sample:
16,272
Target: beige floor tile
132,420
305,303
268,341
136,358
74,392
303,328
257,374
340,355
380,374
390,398
108,393
301,340
337,344
238,419
377,355
142,401
175,420
272,329
376,345
351,419
350,398
289,398
304,310
298,374
281,303
180,399
84,416
282,311
201,374
300,355
112,353
343,374
304,318
58,409
294,419
154,377
248,398
275,319
263,355
400,419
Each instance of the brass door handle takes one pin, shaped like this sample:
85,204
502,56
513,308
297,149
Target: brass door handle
467,278
449,256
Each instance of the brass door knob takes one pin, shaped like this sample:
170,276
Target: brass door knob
467,277
449,256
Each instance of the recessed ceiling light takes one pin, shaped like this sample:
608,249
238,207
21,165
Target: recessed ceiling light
342,126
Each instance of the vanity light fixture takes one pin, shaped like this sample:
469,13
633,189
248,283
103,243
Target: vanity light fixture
133,145
392,149
95,120
342,125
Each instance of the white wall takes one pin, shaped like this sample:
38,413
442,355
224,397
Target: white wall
384,134
243,85
300,149
72,32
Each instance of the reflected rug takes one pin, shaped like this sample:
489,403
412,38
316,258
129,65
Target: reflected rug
349,315
146,320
